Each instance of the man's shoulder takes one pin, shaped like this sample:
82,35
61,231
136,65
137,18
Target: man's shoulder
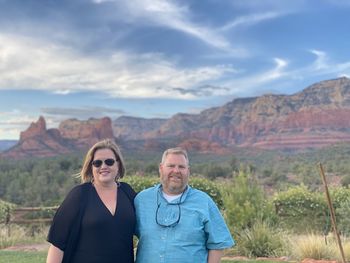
147,192
199,193
200,196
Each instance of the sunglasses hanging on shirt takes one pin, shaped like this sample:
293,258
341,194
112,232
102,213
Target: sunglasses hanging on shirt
168,218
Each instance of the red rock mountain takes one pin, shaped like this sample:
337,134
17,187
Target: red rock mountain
86,133
315,117
72,135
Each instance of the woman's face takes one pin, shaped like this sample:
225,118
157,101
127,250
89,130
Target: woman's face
105,167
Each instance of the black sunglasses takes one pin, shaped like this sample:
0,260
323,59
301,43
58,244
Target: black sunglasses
98,163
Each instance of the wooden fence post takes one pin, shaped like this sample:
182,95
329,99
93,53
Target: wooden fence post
331,209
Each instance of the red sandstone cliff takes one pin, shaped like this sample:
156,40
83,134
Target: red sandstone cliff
71,136
315,117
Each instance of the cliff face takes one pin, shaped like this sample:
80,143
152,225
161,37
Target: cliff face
315,117
86,133
132,128
72,135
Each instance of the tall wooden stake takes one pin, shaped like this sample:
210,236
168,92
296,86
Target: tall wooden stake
331,209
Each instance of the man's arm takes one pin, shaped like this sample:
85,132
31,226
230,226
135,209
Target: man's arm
214,256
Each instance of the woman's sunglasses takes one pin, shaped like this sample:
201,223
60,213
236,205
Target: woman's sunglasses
98,163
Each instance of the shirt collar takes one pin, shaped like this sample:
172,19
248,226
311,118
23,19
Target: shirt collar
183,198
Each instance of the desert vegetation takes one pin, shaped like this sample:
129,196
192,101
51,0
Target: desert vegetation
271,210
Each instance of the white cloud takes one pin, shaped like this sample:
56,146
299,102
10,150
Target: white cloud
9,133
321,59
250,83
323,65
275,73
250,20
32,64
165,13
13,123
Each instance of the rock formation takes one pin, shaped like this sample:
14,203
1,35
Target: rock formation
71,136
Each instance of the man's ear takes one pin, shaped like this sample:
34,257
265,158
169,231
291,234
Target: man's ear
160,168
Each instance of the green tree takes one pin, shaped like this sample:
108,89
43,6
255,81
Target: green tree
245,202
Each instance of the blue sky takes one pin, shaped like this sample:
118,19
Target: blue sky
154,58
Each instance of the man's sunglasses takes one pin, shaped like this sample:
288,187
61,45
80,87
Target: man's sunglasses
98,163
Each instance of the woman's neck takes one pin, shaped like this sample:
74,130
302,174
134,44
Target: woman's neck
109,186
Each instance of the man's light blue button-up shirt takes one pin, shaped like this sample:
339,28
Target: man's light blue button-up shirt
200,228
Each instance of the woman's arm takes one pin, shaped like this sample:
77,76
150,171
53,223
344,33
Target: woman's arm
55,255
214,256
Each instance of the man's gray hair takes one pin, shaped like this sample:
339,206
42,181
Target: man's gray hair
176,150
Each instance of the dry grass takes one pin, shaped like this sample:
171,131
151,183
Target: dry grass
16,234
316,247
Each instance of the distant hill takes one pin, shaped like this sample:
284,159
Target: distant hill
6,144
316,117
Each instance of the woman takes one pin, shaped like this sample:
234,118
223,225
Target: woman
96,221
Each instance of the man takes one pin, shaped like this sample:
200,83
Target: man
176,223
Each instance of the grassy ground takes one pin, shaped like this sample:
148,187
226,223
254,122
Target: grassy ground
40,257
22,257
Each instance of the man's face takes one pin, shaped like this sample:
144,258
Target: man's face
174,173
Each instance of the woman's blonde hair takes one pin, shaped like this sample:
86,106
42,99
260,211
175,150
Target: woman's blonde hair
86,171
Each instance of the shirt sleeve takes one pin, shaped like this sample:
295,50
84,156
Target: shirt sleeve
64,218
218,235
129,191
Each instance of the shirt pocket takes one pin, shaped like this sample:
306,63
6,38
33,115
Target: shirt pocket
190,229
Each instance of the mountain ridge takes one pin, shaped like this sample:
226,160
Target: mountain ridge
315,117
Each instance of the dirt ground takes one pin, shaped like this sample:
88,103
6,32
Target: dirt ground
32,247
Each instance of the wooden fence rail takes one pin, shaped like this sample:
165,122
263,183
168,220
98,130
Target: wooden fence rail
22,216
18,215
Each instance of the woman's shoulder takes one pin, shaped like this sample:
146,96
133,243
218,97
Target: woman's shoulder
128,189
80,187
77,191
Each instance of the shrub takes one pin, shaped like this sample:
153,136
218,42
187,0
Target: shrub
312,246
339,195
343,217
5,210
301,210
261,240
245,202
139,183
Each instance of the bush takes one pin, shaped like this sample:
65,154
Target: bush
312,246
5,210
245,203
301,210
343,217
139,183
261,240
